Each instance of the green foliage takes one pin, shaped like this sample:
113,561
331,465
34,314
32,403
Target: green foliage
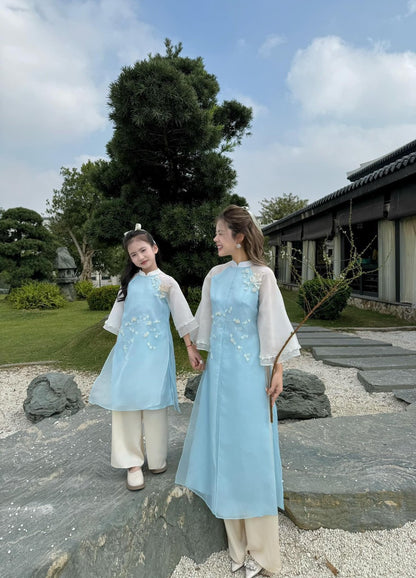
194,297
168,170
71,212
37,295
83,289
313,291
102,298
27,251
278,207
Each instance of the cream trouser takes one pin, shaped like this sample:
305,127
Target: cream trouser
258,537
129,431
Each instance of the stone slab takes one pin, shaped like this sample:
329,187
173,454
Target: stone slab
364,363
65,512
359,351
387,379
354,473
407,395
333,341
312,329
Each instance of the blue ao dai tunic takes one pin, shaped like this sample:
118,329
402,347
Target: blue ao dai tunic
140,371
231,453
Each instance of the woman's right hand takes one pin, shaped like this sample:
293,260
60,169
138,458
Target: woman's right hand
195,358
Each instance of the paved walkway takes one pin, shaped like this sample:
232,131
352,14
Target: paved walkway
382,366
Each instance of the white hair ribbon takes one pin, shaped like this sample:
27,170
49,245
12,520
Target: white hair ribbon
137,227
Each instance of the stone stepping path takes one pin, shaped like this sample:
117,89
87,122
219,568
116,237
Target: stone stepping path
387,362
322,353
338,341
387,379
382,366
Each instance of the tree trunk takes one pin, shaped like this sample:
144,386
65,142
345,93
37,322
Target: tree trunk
86,260
85,255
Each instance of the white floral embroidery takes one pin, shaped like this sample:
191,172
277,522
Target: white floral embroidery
142,325
161,290
252,281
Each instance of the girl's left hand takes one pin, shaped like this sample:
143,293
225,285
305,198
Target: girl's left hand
195,358
276,384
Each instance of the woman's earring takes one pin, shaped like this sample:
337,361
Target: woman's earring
238,246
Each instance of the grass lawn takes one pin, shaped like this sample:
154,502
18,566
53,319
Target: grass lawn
74,337
350,317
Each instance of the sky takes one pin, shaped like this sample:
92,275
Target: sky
332,84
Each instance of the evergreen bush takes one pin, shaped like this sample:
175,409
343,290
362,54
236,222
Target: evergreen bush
102,298
313,291
194,298
83,289
37,295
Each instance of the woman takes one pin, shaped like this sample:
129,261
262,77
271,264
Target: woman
231,453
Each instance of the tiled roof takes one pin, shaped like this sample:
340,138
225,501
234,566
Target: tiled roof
380,173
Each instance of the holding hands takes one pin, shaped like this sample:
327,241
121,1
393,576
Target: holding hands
195,358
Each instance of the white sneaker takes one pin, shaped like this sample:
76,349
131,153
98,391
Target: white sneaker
135,480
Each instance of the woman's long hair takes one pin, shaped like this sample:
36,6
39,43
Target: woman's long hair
130,268
239,220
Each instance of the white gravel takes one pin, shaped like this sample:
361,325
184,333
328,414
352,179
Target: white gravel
305,553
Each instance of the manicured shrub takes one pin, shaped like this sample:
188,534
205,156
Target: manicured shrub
37,295
311,292
194,298
102,298
83,289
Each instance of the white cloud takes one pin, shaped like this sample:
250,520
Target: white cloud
316,164
26,186
269,44
82,159
333,80
53,53
411,7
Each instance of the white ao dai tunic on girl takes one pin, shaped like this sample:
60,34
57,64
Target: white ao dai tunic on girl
140,371
231,453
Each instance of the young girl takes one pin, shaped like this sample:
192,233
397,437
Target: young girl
231,453
138,379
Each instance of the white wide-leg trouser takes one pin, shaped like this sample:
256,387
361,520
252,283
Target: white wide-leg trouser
258,537
132,431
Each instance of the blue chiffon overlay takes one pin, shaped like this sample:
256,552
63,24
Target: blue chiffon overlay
140,371
231,455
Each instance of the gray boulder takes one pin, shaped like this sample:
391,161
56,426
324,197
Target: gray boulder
303,396
52,394
192,386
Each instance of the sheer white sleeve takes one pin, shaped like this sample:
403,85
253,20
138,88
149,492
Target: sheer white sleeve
273,323
182,316
113,321
203,316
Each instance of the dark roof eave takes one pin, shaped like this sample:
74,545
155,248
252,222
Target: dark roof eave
375,181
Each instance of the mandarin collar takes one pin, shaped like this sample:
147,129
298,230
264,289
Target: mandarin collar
241,264
150,274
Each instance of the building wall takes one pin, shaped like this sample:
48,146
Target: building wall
408,260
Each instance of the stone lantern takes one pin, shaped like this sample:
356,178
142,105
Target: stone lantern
66,273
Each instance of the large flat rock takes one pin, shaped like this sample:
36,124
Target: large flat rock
387,362
360,351
387,379
356,473
65,512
